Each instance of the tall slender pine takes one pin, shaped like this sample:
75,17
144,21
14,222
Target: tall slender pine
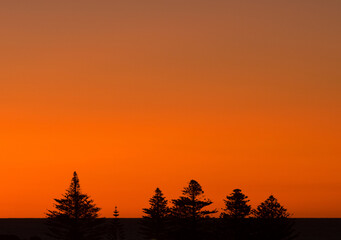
154,224
75,216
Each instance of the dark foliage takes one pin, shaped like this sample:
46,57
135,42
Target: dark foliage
272,222
75,216
155,221
189,219
236,205
235,223
270,209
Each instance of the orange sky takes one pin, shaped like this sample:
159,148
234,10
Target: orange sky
135,95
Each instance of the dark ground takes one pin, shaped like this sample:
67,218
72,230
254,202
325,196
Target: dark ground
309,228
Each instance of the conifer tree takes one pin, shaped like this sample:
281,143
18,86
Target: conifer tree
235,224
270,209
188,213
236,205
155,219
75,216
273,221
116,231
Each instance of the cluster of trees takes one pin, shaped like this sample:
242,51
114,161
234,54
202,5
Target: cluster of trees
188,218
76,218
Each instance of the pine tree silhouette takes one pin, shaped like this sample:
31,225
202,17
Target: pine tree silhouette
116,231
116,213
75,216
188,215
237,209
236,205
273,221
270,209
156,218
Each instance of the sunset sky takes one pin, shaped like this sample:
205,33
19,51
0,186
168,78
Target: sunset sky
135,95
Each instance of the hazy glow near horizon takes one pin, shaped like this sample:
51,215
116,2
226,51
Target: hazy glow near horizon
135,95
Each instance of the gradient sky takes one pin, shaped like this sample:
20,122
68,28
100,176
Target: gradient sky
135,95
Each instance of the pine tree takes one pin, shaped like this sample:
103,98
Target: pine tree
116,213
273,221
190,218
235,222
236,205
271,209
116,231
75,216
156,218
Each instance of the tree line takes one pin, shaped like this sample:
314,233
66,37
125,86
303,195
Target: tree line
76,217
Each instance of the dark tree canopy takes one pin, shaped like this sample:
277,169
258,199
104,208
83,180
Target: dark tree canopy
158,207
155,219
270,209
236,205
236,224
273,222
189,215
75,216
191,204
